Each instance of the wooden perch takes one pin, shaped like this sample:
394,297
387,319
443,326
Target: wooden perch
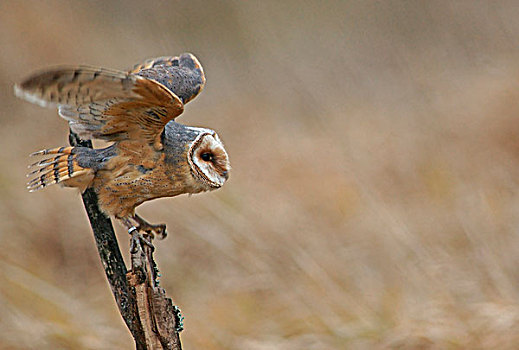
150,316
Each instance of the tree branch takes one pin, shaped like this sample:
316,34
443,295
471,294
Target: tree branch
149,315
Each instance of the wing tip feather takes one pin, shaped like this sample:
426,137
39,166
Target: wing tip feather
20,92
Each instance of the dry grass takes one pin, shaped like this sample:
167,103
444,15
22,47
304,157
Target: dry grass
373,201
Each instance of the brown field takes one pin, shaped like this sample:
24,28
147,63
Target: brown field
374,196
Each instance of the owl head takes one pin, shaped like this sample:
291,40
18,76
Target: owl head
206,157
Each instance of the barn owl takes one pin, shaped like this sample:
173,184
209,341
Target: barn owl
151,155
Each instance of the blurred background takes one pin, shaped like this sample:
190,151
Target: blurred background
373,201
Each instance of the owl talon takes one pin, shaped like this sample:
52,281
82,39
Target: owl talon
160,231
153,230
138,239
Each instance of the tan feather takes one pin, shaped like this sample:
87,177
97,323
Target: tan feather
76,86
103,103
153,62
56,169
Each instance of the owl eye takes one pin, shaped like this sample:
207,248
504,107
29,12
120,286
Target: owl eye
208,157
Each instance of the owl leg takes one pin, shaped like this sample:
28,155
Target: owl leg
159,230
136,236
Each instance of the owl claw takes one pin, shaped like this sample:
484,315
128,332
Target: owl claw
153,230
138,239
160,231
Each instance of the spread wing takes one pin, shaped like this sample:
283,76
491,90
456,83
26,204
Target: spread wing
115,105
183,75
104,104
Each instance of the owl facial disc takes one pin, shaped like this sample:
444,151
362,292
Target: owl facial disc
208,160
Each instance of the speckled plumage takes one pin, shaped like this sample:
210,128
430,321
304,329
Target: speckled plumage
152,156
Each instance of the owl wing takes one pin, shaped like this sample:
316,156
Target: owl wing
103,103
183,75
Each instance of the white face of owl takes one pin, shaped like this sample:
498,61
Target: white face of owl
208,160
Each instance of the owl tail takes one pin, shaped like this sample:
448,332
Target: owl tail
62,168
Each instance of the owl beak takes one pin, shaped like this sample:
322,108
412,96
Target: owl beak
225,174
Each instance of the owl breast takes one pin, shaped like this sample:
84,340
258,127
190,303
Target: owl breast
132,178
